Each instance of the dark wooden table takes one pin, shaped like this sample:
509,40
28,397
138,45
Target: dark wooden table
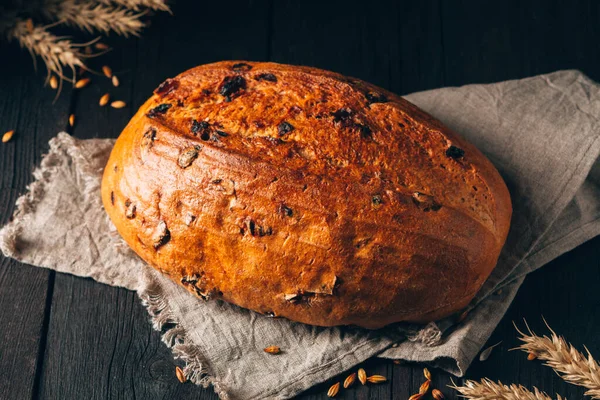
63,337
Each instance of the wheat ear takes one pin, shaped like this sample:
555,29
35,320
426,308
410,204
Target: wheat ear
57,53
93,17
489,390
158,5
573,366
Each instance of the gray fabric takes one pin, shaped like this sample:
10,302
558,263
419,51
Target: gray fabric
543,135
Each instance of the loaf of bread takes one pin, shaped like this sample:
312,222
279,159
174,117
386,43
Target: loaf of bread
305,194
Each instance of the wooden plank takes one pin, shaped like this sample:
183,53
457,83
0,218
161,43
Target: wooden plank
487,42
395,45
101,345
23,294
100,342
25,291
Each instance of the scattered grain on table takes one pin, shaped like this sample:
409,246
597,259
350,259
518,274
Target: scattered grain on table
118,104
7,136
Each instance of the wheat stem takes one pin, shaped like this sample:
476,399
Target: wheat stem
136,5
573,366
489,390
92,17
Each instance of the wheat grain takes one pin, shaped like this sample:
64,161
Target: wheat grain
427,374
270,349
376,379
115,81
180,375
104,99
7,136
107,71
572,365
121,104
159,5
333,390
81,83
489,390
362,376
94,17
425,387
349,380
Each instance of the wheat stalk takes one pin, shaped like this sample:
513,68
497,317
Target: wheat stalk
489,390
56,52
93,17
158,5
573,366
59,53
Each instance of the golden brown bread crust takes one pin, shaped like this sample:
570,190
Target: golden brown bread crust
302,193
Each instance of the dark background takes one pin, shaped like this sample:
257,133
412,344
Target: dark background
63,337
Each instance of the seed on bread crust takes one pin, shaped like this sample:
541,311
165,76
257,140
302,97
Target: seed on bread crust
187,157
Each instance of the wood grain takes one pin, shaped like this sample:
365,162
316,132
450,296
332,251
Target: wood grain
494,41
25,291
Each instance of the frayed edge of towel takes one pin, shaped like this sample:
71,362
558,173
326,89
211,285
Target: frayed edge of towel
34,192
175,338
430,335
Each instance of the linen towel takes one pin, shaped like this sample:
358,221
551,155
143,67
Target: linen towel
542,134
